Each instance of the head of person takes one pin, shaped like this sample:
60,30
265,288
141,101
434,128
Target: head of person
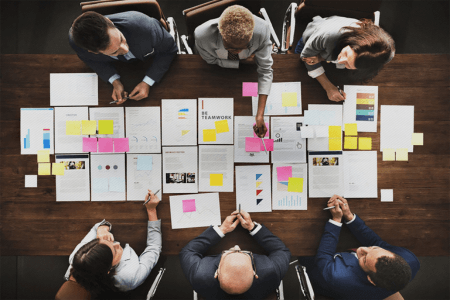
236,26
365,49
383,268
97,34
236,271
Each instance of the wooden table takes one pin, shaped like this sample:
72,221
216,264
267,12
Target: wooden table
33,223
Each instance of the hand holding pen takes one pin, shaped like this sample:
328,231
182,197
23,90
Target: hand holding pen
152,200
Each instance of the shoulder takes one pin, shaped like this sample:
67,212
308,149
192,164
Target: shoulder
132,20
207,30
262,28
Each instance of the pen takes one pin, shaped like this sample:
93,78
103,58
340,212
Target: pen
112,102
329,207
149,197
239,208
264,145
340,91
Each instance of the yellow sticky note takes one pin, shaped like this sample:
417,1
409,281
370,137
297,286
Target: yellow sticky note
216,179
209,135
402,154
43,156
288,99
221,126
57,169
334,131
365,143
295,184
388,154
44,169
351,129
89,127
417,139
334,144
73,127
350,142
105,127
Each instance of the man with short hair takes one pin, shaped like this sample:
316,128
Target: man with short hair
239,37
235,272
375,271
99,41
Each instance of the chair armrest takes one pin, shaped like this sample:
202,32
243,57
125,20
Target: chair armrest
265,16
173,31
155,284
376,18
185,44
287,37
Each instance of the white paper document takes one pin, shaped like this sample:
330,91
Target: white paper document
323,115
243,127
143,173
179,122
326,174
108,177
361,107
360,174
216,168
69,89
282,199
198,210
288,145
180,174
109,113
69,143
74,184
143,129
36,130
215,114
396,126
253,188
278,100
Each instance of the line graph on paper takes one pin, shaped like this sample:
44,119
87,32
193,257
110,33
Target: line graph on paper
207,211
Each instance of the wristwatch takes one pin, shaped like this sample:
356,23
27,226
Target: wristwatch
106,223
256,225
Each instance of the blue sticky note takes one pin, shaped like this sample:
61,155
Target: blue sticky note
99,185
116,184
144,162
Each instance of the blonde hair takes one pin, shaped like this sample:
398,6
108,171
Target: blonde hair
236,25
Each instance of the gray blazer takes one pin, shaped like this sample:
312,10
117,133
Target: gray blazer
209,44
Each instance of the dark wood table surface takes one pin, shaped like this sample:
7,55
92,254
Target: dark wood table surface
33,223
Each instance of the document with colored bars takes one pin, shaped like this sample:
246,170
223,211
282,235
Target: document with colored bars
361,107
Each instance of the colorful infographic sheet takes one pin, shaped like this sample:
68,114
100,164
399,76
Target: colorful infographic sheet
287,195
180,173
216,168
108,177
285,99
361,107
65,143
74,184
179,122
288,145
143,173
143,129
215,120
36,130
244,128
253,188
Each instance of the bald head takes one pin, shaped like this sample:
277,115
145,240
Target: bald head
236,273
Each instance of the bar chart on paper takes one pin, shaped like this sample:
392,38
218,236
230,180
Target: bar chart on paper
294,201
36,130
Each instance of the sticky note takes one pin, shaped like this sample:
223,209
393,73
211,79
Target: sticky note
267,132
57,169
100,185
320,130
121,145
144,163
417,139
221,126
43,156
295,185
351,129
188,205
307,132
250,89
387,195
334,144
283,173
216,179
105,127
73,127
268,143
334,131
30,181
209,135
252,144
44,169
89,127
401,154
89,144
388,154
105,145
365,143
117,184
288,99
350,142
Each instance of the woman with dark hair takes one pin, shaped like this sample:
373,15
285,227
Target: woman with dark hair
356,45
100,264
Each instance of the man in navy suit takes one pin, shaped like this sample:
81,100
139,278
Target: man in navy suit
235,273
99,41
375,271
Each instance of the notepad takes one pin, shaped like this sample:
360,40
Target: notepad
252,144
73,127
216,179
121,145
44,169
350,142
401,154
57,169
105,145
89,127
288,99
221,126
89,144
351,129
43,156
105,127
295,185
388,154
250,89
209,135
365,143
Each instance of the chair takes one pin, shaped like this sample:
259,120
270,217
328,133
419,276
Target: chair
149,7
71,290
278,294
305,284
298,16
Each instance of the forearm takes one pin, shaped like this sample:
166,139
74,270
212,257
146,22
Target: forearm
152,214
262,99
325,82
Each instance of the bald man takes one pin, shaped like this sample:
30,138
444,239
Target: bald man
235,271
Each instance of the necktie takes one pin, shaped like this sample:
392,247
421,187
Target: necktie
232,56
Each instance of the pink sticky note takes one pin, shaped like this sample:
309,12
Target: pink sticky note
283,173
105,145
188,205
268,143
252,144
121,145
267,133
250,89
89,144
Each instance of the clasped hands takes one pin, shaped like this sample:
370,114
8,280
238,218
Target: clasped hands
230,223
139,92
341,209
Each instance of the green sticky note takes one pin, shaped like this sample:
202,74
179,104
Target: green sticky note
334,144
216,179
417,139
388,154
73,127
351,129
402,154
209,135
43,156
44,169
334,131
221,126
365,143
105,127
89,127
57,169
288,99
295,185
350,142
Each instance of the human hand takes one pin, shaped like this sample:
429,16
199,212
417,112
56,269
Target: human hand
312,60
249,60
348,215
336,212
260,128
245,219
118,93
140,91
229,224
334,95
154,201
104,234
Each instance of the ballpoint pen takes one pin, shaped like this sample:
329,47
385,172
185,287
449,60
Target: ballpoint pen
340,91
329,207
239,208
112,102
265,149
149,197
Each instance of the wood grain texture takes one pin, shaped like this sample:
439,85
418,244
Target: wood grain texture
33,223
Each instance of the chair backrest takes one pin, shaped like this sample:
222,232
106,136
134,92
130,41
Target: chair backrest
150,8
71,290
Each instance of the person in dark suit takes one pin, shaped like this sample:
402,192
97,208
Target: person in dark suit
100,40
375,271
235,273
